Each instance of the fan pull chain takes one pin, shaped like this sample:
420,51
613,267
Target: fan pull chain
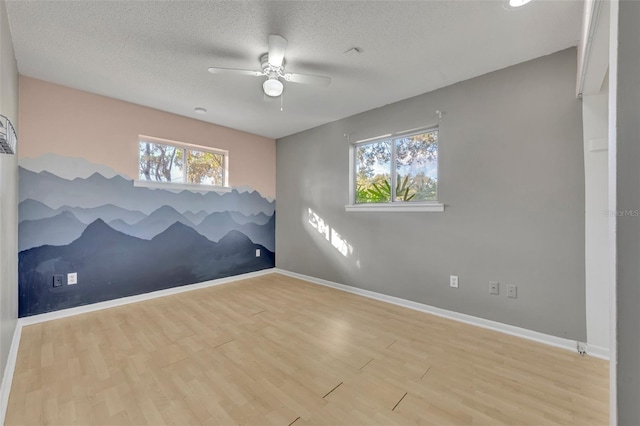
282,102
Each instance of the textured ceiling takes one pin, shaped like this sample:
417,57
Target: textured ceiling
156,53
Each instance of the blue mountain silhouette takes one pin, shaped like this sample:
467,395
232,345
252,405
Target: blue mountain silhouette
57,230
217,225
154,224
96,190
34,210
195,218
111,264
258,219
107,212
262,234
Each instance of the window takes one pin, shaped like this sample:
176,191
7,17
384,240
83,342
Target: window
168,162
397,170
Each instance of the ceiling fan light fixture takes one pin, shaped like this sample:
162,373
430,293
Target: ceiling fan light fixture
272,87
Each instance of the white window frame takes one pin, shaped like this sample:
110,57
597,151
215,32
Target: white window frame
434,206
198,187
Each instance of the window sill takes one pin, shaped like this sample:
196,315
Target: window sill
180,186
433,207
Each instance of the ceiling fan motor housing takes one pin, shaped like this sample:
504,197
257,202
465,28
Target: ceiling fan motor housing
269,69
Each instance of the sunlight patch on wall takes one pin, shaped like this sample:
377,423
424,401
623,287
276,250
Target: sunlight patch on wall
330,234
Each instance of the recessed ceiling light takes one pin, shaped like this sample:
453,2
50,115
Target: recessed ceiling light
200,110
512,4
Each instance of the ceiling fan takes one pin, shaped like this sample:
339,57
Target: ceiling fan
272,64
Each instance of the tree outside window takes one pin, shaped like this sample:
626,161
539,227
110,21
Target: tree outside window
166,163
400,169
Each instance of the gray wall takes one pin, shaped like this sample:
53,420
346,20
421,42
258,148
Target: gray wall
628,226
512,179
8,195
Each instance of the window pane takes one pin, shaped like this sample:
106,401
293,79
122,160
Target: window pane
161,163
373,172
417,167
205,168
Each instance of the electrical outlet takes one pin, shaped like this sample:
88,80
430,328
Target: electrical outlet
582,348
57,280
72,278
453,281
494,287
257,252
512,291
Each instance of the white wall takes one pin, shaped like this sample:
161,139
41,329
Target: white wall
8,195
594,116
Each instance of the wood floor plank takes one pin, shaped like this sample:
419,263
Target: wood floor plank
275,350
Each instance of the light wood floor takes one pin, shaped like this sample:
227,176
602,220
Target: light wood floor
278,351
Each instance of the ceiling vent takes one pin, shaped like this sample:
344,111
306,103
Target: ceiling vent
7,136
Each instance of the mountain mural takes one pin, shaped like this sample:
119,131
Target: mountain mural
196,218
153,224
107,212
65,226
66,167
97,190
124,240
122,265
258,219
217,225
34,210
57,230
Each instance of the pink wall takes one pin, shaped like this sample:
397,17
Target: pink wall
68,122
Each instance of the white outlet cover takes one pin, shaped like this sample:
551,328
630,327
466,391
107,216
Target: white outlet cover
257,252
72,278
453,281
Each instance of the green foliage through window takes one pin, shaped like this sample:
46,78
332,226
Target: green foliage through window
166,163
407,164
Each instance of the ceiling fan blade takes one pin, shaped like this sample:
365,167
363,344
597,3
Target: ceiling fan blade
277,47
215,70
315,80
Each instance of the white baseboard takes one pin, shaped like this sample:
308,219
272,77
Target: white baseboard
598,351
63,313
9,369
536,336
